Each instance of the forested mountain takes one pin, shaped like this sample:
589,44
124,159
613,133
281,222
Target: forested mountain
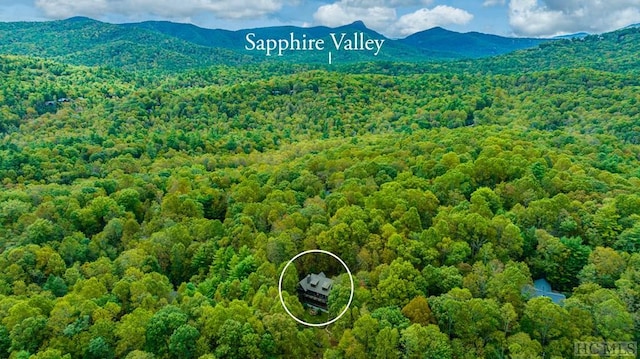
150,214
83,41
468,45
172,46
615,51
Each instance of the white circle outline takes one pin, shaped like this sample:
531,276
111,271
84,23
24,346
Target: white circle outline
282,299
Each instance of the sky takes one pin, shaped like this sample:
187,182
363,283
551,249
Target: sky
392,18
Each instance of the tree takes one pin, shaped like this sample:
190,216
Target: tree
508,324
447,307
129,199
92,219
50,354
629,240
578,255
5,342
508,242
613,321
139,354
604,310
29,334
560,260
160,328
485,202
506,285
364,331
477,322
99,348
521,346
390,317
477,281
546,322
178,273
237,340
418,311
399,282
441,279
131,331
283,334
425,343
452,186
387,342
41,231
11,210
351,347
604,267
56,285
410,220
606,224
476,230
183,341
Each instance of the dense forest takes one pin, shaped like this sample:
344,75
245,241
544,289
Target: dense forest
146,214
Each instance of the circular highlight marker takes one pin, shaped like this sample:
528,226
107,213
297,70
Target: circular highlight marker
282,299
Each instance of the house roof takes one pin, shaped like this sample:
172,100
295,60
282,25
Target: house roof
542,285
317,283
542,288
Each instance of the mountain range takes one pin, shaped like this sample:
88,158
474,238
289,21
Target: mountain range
170,46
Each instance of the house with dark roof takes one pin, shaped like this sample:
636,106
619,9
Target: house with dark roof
314,290
542,288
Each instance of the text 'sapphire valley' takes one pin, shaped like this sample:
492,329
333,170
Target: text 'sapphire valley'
358,42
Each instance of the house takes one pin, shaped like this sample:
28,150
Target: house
314,290
542,288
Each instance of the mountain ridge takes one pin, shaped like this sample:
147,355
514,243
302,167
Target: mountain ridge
481,44
165,45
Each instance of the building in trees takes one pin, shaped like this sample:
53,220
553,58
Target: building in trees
314,290
542,288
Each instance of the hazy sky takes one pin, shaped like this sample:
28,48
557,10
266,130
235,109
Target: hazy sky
394,18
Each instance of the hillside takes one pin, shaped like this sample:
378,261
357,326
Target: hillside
615,51
151,214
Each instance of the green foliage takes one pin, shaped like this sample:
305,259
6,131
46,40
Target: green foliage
150,216
161,328
425,342
183,341
99,348
547,323
5,342
29,334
